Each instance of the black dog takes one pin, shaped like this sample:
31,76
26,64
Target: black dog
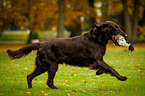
85,50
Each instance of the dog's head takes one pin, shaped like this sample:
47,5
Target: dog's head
108,31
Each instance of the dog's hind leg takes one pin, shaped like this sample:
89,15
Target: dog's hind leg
37,71
51,74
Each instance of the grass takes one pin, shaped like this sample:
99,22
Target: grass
75,81
14,36
23,36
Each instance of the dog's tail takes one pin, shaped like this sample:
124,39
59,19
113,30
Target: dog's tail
23,51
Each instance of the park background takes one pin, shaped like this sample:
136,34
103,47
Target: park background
27,21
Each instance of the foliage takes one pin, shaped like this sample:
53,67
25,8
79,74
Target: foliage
43,14
30,14
74,12
40,14
117,7
132,13
141,34
74,81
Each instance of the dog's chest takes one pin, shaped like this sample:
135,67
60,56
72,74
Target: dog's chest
79,58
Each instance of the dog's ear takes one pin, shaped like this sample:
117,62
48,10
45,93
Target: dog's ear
97,26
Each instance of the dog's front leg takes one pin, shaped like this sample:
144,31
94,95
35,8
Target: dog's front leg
110,70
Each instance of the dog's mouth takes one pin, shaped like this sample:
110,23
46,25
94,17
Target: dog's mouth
120,41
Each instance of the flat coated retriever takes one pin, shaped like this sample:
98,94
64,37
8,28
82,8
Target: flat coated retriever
86,50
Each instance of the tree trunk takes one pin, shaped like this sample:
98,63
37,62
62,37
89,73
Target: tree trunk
142,21
127,21
29,40
2,25
92,19
75,29
61,19
135,20
104,9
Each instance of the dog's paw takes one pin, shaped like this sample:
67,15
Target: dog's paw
99,72
123,78
53,87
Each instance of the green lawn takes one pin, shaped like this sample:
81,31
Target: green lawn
75,81
14,36
11,38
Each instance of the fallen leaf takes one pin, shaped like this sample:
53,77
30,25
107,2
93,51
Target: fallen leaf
65,85
135,89
125,87
103,81
26,72
68,94
74,90
84,91
15,79
22,72
46,94
42,91
97,76
93,91
74,74
93,83
28,92
65,80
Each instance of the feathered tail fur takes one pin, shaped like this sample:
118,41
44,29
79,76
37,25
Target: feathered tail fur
23,51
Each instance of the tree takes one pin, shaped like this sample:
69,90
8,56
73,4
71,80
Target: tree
104,9
28,14
61,19
73,14
142,20
133,12
134,15
135,20
92,18
127,21
74,11
75,28
37,13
